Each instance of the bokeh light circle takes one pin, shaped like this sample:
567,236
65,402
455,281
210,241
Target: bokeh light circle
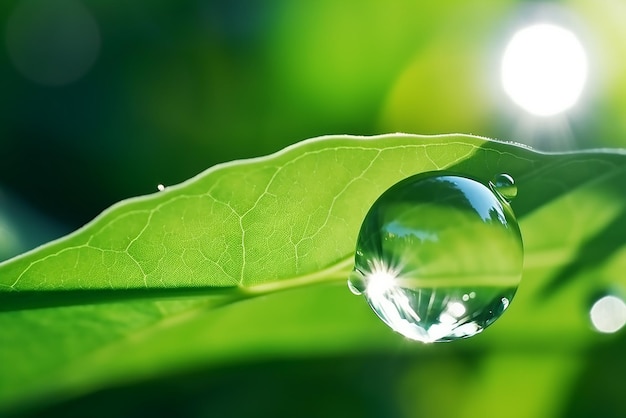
544,69
608,314
52,42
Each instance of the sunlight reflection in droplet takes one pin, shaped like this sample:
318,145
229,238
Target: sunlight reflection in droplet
456,309
381,279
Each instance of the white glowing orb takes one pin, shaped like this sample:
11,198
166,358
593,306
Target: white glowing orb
457,309
544,69
380,282
608,314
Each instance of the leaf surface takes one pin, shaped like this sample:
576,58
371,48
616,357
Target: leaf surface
214,270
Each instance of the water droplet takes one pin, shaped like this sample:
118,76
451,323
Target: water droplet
356,283
505,185
439,257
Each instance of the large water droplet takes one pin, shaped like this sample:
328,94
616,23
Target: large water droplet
439,257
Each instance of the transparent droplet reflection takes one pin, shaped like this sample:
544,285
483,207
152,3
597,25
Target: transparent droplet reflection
439,257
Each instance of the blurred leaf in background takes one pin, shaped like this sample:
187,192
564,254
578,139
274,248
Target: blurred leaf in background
102,101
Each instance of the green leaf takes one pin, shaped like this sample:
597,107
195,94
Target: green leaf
248,260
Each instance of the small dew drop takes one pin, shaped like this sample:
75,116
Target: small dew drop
160,187
505,185
356,284
439,256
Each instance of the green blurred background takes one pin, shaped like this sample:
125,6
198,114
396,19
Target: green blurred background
104,100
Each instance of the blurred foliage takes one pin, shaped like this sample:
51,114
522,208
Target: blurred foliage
179,86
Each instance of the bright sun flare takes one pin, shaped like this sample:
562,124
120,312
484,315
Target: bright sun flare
381,279
544,69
